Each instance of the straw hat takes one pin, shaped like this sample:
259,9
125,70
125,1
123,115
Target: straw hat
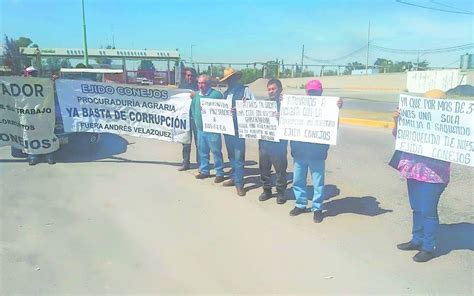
229,72
435,94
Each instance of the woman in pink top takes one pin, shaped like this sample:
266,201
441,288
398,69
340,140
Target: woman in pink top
426,180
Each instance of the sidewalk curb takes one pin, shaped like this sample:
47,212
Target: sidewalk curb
366,122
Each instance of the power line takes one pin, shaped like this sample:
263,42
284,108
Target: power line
331,61
424,51
449,6
393,50
435,8
456,61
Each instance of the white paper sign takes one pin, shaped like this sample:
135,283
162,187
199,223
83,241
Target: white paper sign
437,128
158,113
257,119
27,114
309,119
217,116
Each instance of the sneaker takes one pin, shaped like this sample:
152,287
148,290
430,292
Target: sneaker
297,211
184,167
318,216
240,191
201,176
33,160
219,179
266,195
50,159
409,246
423,256
228,183
281,198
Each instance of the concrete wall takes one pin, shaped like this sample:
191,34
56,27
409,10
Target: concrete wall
422,81
389,81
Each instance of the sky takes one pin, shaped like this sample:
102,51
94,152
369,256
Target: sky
246,31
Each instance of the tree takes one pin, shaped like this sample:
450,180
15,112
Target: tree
66,63
272,68
330,73
55,64
146,65
214,71
104,60
385,65
422,66
353,66
24,42
13,58
250,75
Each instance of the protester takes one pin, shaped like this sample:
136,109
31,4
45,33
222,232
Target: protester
207,141
189,82
273,153
34,159
235,145
312,156
426,180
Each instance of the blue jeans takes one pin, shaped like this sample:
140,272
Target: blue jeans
300,167
236,150
424,198
210,142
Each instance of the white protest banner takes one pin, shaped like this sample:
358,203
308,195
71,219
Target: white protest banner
437,128
217,116
309,119
257,119
27,114
157,113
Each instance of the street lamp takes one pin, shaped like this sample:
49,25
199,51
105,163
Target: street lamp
86,55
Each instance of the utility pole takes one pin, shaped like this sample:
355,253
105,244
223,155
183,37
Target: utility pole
368,48
86,55
192,62
302,56
417,61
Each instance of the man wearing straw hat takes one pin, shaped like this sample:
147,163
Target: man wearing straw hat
235,145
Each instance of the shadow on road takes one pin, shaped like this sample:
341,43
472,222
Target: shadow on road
451,237
75,151
365,205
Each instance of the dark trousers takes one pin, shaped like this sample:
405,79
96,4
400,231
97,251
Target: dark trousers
187,147
424,198
277,158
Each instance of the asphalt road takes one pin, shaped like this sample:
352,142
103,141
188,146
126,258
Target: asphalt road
128,222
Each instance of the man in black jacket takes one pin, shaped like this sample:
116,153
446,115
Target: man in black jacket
189,82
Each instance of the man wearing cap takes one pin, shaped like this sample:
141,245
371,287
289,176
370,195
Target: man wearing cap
235,145
34,159
312,156
273,153
207,141
190,83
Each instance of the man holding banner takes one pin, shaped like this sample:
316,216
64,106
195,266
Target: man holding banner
313,156
273,153
27,116
235,145
190,83
207,141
